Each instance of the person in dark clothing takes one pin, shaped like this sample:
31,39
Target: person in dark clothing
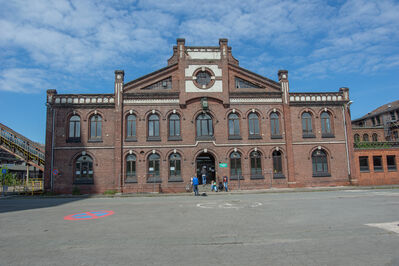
225,180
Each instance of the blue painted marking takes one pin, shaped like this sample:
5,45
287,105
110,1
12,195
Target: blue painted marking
4,171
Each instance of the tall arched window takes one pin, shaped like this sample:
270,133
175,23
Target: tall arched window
131,168
374,137
319,162
275,125
154,161
325,124
256,165
365,137
307,130
277,165
131,127
84,170
95,127
356,138
175,168
74,129
234,126
174,127
204,126
235,166
153,127
253,125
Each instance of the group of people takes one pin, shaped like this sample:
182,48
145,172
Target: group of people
214,187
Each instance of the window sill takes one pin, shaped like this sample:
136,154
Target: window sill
95,140
278,176
235,138
175,179
153,139
378,170
392,170
321,174
308,136
83,182
174,138
235,177
327,135
73,140
131,139
254,177
205,138
364,171
254,137
131,180
154,180
276,137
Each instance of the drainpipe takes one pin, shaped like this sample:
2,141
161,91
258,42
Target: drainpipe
52,152
346,138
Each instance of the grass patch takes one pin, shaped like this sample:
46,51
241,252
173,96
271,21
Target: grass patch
110,192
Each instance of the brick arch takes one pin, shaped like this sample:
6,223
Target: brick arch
179,151
68,117
148,153
257,111
210,112
77,154
328,110
316,148
92,112
230,111
278,111
127,112
283,152
148,113
262,152
230,150
307,109
178,112
211,151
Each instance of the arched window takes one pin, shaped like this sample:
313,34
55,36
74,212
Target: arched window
84,170
175,168
131,127
275,125
253,125
319,162
131,168
234,126
375,137
74,129
277,165
256,165
307,130
204,126
95,127
153,127
365,137
356,138
235,166
174,126
154,161
325,124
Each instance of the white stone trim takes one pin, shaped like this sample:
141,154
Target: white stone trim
189,71
150,101
83,99
204,55
203,141
216,87
82,147
256,100
315,98
319,142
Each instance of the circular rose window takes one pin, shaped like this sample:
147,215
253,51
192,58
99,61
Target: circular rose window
203,78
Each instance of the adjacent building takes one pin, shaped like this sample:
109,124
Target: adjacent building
201,114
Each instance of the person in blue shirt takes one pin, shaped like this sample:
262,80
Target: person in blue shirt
195,186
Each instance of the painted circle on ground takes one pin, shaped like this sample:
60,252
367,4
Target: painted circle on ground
88,215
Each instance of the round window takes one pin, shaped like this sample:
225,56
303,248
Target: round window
203,78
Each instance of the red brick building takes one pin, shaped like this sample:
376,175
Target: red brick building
202,113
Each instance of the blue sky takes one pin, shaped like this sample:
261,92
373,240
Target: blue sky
75,46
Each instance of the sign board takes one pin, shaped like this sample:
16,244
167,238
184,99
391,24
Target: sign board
223,165
55,172
4,171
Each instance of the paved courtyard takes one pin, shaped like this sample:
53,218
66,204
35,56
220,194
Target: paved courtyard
355,227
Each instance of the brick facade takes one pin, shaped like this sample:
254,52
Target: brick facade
198,82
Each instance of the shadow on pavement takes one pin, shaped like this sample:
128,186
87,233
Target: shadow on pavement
12,204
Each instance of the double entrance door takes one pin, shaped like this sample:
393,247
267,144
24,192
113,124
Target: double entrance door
205,164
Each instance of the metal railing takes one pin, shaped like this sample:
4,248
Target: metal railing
21,147
376,145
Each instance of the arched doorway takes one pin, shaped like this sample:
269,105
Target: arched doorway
205,163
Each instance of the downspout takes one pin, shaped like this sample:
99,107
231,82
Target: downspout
346,140
52,152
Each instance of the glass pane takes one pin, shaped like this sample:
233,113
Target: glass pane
98,129
129,128
77,129
236,127
156,133
156,168
256,123
92,129
171,128
231,127
251,127
210,127
151,128
178,169
177,128
199,128
204,128
71,130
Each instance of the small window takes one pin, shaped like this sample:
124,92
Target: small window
74,129
95,127
175,168
325,124
365,137
174,127
131,168
307,130
378,120
131,127
391,162
256,165
393,117
235,166
364,163
357,138
374,137
204,126
320,164
154,161
275,125
377,162
234,126
277,165
153,127
84,170
253,123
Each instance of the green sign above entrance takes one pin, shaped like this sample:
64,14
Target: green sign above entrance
222,165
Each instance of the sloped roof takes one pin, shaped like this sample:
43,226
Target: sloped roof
380,110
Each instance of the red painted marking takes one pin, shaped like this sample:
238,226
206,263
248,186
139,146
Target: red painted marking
92,215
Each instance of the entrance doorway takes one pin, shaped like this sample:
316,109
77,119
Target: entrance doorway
205,163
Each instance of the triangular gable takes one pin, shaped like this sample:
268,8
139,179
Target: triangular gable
245,84
164,84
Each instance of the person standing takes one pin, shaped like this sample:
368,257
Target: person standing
203,174
195,185
225,183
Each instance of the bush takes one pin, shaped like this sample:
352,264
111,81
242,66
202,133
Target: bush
110,192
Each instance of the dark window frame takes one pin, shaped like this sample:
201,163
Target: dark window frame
74,127
131,127
154,161
175,175
275,131
131,164
365,167
233,126
83,163
378,167
153,128
307,125
204,126
391,167
254,126
235,166
174,127
320,160
256,165
96,124
326,125
277,157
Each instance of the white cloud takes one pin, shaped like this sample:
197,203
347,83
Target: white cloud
23,80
